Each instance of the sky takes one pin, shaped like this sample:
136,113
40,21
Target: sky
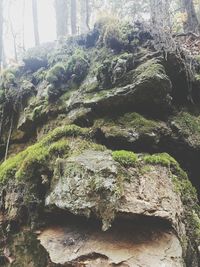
14,17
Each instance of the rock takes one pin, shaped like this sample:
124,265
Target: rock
131,131
92,182
124,245
148,79
89,184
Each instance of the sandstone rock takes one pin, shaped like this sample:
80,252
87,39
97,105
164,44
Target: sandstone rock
124,245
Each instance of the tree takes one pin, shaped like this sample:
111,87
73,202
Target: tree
73,17
1,32
61,9
35,22
161,24
191,24
85,16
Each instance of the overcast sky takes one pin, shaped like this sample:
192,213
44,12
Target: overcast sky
46,23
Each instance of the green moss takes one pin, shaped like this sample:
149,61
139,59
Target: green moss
163,159
78,65
22,165
39,75
8,78
37,112
197,77
56,73
125,158
113,33
149,69
59,148
138,122
127,122
188,126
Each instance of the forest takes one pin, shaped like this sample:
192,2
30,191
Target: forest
100,133
67,18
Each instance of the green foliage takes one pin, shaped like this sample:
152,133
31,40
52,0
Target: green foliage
125,158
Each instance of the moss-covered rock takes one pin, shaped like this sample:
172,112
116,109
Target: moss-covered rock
22,166
131,131
149,79
187,127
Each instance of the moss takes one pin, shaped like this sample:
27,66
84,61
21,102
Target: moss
197,77
113,33
39,75
59,148
37,112
56,73
163,159
149,69
138,122
22,165
125,158
8,78
78,65
188,126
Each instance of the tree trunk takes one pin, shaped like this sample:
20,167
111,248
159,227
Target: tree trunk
61,9
35,22
73,17
85,16
1,33
161,24
192,23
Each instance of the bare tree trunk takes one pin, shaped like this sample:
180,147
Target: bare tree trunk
161,24
192,23
61,9
73,17
23,16
9,136
35,22
14,36
1,33
85,16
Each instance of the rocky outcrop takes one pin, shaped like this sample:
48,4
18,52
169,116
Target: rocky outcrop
88,181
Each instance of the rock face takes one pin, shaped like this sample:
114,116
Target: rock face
94,174
123,246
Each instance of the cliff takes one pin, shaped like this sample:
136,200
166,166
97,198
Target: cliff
100,148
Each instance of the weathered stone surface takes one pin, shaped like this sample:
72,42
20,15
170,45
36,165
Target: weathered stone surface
124,245
94,182
88,183
132,131
148,79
